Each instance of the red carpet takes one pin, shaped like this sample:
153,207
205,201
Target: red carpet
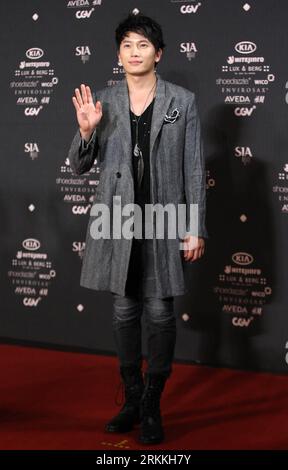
61,400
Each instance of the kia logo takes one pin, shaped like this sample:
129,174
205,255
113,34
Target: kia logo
245,47
31,244
242,258
34,53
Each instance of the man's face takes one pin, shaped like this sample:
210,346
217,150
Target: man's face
137,54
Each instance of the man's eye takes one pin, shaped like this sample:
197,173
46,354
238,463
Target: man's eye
143,45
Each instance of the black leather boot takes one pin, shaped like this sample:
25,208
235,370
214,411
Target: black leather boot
129,414
151,430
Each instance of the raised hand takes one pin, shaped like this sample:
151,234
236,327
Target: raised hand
88,114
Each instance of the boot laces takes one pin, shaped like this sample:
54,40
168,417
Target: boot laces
151,400
152,395
131,393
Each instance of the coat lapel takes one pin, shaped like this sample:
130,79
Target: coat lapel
161,105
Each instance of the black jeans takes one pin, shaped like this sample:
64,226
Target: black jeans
128,309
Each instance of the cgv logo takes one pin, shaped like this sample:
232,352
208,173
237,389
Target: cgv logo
30,302
245,47
244,111
190,8
80,210
80,14
32,111
242,322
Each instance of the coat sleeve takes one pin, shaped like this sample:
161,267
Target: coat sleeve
194,171
81,154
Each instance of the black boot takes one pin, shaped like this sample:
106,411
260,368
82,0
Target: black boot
130,412
151,431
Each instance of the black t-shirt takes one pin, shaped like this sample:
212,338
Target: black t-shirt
142,194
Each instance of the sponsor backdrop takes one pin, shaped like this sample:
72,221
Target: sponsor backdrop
233,55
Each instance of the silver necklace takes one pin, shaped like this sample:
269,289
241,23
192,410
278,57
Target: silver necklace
137,152
137,149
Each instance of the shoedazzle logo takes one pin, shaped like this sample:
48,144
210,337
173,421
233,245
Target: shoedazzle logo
159,221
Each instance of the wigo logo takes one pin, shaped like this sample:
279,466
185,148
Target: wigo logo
270,78
34,53
245,47
31,244
242,258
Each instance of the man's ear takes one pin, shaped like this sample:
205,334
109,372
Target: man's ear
119,60
159,54
118,55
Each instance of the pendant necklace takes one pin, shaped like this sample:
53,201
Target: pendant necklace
137,152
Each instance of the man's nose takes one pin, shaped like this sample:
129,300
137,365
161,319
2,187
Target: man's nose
134,50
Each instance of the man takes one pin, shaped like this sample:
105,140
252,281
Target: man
145,134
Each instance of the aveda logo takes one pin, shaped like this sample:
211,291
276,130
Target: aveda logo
34,53
31,244
245,47
242,258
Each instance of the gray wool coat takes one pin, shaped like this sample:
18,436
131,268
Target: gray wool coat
177,173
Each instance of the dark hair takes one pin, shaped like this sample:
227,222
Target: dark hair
140,24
